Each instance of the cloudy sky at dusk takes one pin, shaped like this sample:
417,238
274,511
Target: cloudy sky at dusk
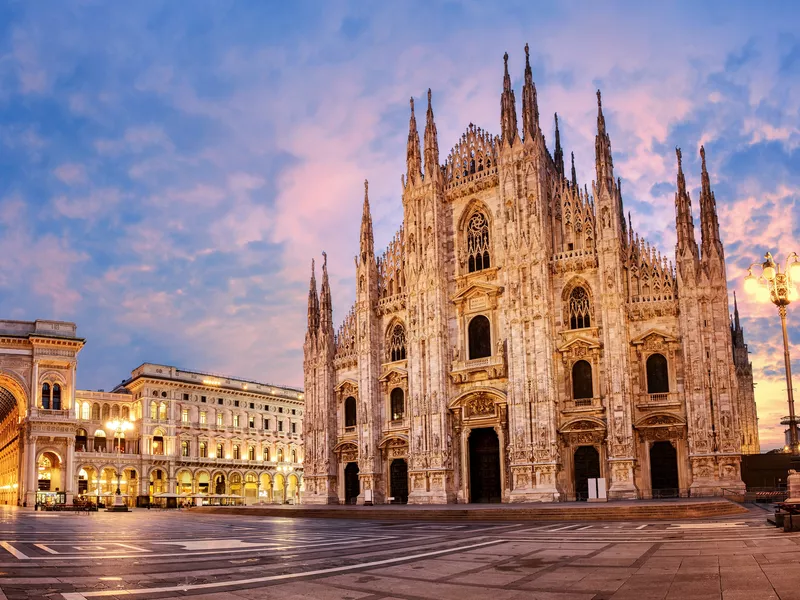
168,170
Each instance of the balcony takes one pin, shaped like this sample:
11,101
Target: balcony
658,401
52,415
479,369
582,405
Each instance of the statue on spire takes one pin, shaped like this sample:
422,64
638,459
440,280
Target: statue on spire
413,158
530,107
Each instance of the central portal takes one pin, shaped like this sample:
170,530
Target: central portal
398,478
484,465
664,470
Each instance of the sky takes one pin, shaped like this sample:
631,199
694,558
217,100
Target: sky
169,169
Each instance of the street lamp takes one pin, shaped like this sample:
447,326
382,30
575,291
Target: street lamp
779,287
119,426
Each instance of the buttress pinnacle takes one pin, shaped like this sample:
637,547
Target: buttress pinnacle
367,241
558,154
508,111
326,304
313,302
431,142
530,107
413,158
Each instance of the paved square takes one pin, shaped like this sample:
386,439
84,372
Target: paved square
176,554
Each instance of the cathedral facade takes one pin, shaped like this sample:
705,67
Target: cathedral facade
518,339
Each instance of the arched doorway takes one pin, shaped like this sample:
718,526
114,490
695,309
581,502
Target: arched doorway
265,493
250,488
664,470
219,484
49,470
184,482
158,483
202,480
586,466
292,488
398,480
279,491
352,487
80,440
484,465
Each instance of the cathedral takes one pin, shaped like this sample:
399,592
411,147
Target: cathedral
518,340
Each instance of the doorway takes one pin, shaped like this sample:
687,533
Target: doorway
398,480
484,465
664,470
587,466
352,488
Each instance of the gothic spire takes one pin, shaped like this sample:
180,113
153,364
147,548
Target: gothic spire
558,155
736,325
326,305
604,164
431,142
684,224
367,240
413,159
530,107
313,302
574,174
508,110
709,224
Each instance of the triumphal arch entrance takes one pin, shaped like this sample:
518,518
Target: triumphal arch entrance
37,420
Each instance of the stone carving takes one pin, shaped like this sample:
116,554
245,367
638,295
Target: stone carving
481,405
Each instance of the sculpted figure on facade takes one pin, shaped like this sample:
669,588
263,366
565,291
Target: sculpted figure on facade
545,341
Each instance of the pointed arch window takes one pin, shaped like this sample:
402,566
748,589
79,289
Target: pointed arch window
478,243
397,343
579,317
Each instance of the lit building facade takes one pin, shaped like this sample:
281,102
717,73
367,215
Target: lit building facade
190,433
518,338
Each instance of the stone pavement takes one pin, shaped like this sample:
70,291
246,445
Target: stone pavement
158,554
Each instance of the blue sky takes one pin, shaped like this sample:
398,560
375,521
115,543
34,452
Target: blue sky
168,169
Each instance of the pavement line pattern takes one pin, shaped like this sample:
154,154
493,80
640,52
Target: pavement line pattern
16,553
240,582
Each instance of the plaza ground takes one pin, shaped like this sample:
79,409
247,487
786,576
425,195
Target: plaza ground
167,554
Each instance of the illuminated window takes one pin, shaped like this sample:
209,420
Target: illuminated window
86,411
236,452
252,422
185,415
251,453
184,448
266,454
235,420
220,419
220,451
397,399
203,450
46,396
203,418
56,397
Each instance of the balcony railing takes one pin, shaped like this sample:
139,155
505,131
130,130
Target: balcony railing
582,404
63,414
659,399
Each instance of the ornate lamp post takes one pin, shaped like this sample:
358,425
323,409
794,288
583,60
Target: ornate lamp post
779,287
119,426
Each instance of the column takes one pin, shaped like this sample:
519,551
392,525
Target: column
32,483
35,385
68,475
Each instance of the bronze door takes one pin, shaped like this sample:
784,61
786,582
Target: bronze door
398,478
587,466
351,485
484,465
664,470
